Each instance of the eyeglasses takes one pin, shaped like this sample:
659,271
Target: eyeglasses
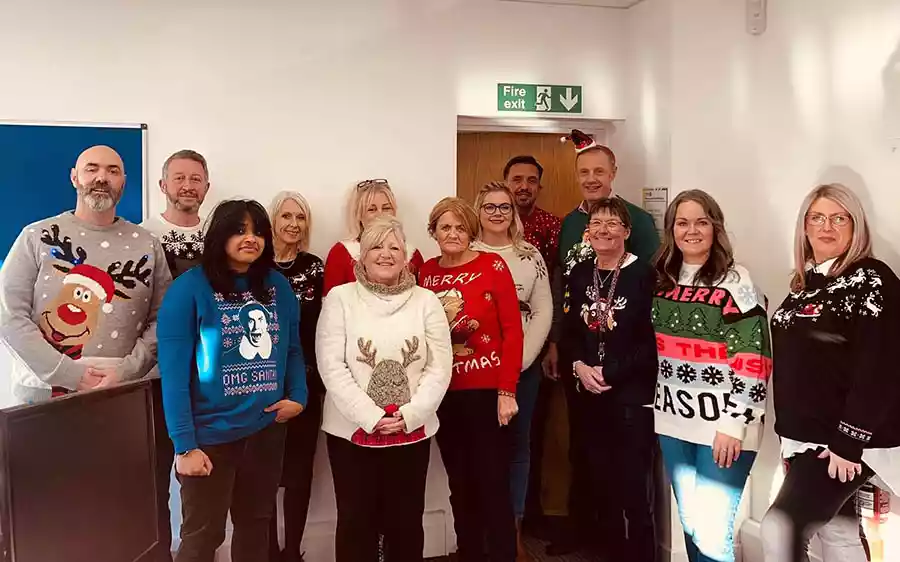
611,225
838,220
491,208
368,184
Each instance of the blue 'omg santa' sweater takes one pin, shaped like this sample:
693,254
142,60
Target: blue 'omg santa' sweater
224,362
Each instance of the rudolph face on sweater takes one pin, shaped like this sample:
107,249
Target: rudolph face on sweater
693,232
607,234
385,261
829,229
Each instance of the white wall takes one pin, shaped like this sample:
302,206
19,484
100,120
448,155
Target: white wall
758,121
312,96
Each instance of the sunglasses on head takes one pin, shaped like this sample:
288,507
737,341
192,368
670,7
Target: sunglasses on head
366,184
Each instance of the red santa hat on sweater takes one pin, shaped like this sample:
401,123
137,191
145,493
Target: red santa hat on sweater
581,140
95,280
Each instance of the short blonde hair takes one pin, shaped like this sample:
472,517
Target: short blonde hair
360,198
378,230
459,207
275,208
860,244
516,229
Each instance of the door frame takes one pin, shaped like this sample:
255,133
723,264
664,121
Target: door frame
600,129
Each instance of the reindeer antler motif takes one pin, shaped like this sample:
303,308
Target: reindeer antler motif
368,352
62,249
131,272
410,355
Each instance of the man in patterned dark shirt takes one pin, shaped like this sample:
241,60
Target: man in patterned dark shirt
523,176
184,182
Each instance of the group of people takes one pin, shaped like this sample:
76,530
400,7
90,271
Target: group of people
659,347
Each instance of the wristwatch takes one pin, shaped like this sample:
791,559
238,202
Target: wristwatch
186,452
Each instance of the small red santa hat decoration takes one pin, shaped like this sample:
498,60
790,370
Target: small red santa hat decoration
581,140
95,280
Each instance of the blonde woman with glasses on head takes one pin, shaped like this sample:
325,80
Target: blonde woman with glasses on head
369,199
837,395
500,232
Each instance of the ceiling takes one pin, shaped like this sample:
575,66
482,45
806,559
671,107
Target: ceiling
618,4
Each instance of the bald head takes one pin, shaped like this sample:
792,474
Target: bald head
99,178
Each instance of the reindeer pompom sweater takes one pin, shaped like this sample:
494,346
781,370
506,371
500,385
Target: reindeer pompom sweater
382,349
73,294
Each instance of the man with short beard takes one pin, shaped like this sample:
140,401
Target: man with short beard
185,182
523,176
79,292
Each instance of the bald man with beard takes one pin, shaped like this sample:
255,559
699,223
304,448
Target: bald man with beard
79,293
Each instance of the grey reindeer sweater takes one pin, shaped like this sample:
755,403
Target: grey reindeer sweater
74,295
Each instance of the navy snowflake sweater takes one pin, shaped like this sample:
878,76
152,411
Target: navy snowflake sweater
834,342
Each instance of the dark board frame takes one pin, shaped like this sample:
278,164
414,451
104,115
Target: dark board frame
78,400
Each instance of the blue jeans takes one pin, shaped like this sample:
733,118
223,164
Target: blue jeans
520,427
708,497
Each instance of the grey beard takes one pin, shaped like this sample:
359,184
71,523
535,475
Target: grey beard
99,202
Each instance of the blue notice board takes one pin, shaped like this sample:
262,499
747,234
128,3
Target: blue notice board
35,165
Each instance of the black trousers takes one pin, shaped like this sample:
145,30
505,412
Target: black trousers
583,514
165,456
808,499
379,490
476,453
244,481
620,447
296,478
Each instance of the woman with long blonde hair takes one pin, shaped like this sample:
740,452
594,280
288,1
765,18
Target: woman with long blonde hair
837,397
291,219
368,199
500,232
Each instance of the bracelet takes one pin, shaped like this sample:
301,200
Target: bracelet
506,393
574,370
189,451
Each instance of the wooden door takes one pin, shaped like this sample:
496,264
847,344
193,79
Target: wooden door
480,158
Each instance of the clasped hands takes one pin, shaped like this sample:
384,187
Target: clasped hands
591,378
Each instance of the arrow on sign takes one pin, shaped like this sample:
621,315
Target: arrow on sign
569,100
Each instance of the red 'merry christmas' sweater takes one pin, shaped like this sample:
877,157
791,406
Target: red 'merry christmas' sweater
482,308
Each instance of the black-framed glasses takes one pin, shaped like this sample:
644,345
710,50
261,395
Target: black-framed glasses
493,209
367,184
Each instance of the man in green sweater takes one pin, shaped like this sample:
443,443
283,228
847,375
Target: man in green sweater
595,168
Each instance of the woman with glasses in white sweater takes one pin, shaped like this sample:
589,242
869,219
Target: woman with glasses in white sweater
500,231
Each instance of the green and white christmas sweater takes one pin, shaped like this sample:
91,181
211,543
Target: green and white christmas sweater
715,359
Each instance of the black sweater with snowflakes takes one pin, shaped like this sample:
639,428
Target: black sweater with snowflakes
834,381
630,361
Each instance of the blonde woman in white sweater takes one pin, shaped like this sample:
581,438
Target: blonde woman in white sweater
383,348
500,231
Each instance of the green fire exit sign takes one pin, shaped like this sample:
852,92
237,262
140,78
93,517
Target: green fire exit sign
539,98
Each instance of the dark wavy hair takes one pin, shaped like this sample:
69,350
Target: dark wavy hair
227,220
669,258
